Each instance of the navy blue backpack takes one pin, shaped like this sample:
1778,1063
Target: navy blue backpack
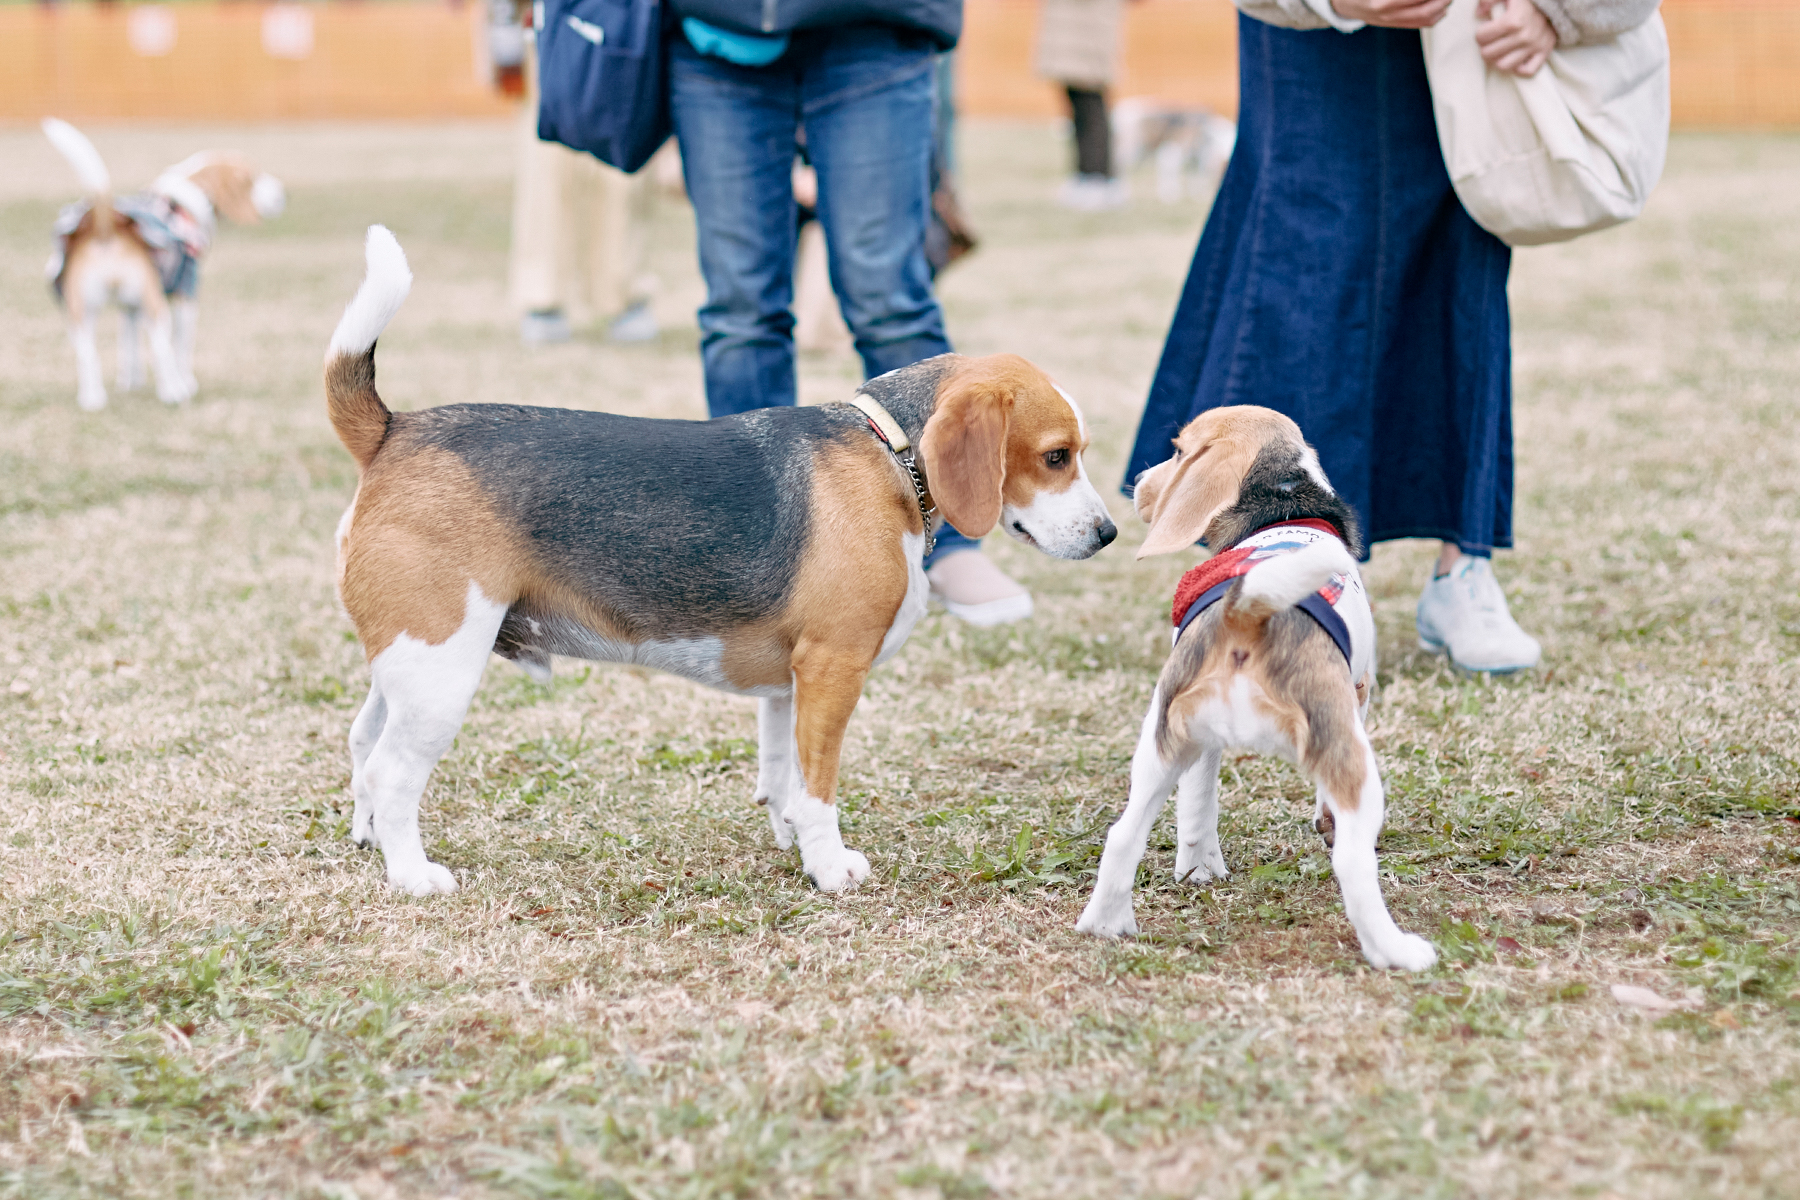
603,78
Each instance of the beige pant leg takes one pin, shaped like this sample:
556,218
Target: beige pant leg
611,258
578,227
542,229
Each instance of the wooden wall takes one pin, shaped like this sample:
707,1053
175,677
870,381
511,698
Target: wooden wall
1736,62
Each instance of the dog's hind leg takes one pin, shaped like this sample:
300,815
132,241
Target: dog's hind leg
425,690
777,763
1197,854
1349,782
90,376
1109,912
131,357
365,731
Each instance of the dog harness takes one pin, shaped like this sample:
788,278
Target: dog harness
1206,584
177,239
895,439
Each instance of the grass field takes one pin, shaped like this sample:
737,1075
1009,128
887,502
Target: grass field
206,991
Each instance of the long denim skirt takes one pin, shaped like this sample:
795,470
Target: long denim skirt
1340,281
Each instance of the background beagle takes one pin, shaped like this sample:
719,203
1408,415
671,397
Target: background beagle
775,554
143,253
1274,652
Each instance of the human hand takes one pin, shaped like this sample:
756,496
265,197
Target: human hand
1513,35
1395,14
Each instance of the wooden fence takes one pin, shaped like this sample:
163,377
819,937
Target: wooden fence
1736,62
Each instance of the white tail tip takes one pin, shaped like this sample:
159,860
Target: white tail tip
74,146
383,290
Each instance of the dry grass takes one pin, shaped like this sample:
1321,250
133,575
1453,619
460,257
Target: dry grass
206,991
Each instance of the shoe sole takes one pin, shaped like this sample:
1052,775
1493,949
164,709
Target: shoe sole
1005,611
1431,647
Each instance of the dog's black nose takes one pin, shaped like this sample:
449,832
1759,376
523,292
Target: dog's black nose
1108,531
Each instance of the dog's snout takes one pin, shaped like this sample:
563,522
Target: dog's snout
1107,532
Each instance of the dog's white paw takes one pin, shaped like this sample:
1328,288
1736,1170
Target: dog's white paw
1200,863
91,399
362,830
1108,920
174,391
428,880
1401,951
843,868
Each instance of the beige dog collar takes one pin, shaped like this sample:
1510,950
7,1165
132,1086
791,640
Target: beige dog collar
883,421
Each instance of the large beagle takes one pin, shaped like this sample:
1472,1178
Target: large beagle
143,253
1274,652
775,554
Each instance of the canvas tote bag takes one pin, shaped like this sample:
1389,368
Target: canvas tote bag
1575,148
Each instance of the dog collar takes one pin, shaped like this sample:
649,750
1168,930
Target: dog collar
895,439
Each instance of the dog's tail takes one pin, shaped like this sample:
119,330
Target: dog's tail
96,180
357,413
1281,582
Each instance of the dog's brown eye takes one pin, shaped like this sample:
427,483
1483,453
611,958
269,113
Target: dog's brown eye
1056,460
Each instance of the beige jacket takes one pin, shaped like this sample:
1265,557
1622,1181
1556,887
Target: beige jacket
1576,21
1078,41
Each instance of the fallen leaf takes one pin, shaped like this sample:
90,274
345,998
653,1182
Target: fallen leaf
1724,1019
1510,945
1647,1000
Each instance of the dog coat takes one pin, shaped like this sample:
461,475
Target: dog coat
1207,583
177,239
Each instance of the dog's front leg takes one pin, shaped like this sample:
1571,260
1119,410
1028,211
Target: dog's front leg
827,685
1197,855
1108,912
171,388
1354,799
776,763
185,311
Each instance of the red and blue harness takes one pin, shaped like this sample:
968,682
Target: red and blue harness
1206,584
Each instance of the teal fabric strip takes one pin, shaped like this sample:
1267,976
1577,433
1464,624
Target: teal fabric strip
744,49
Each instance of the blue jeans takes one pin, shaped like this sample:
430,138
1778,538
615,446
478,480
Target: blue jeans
863,94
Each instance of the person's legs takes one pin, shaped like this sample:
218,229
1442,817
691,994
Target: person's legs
540,227
736,126
867,105
1093,136
868,101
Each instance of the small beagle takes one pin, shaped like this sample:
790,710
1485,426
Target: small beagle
775,554
1274,652
143,252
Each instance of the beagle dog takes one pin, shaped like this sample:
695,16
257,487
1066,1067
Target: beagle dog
775,554
143,252
1274,652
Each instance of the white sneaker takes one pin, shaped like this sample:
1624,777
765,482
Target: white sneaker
1464,614
545,327
971,587
1093,193
635,324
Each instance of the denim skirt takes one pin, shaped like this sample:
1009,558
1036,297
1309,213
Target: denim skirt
1340,281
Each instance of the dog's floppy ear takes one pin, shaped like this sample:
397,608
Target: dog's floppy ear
964,447
228,183
1204,485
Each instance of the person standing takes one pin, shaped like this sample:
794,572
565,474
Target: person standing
1078,47
1340,281
577,237
856,79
